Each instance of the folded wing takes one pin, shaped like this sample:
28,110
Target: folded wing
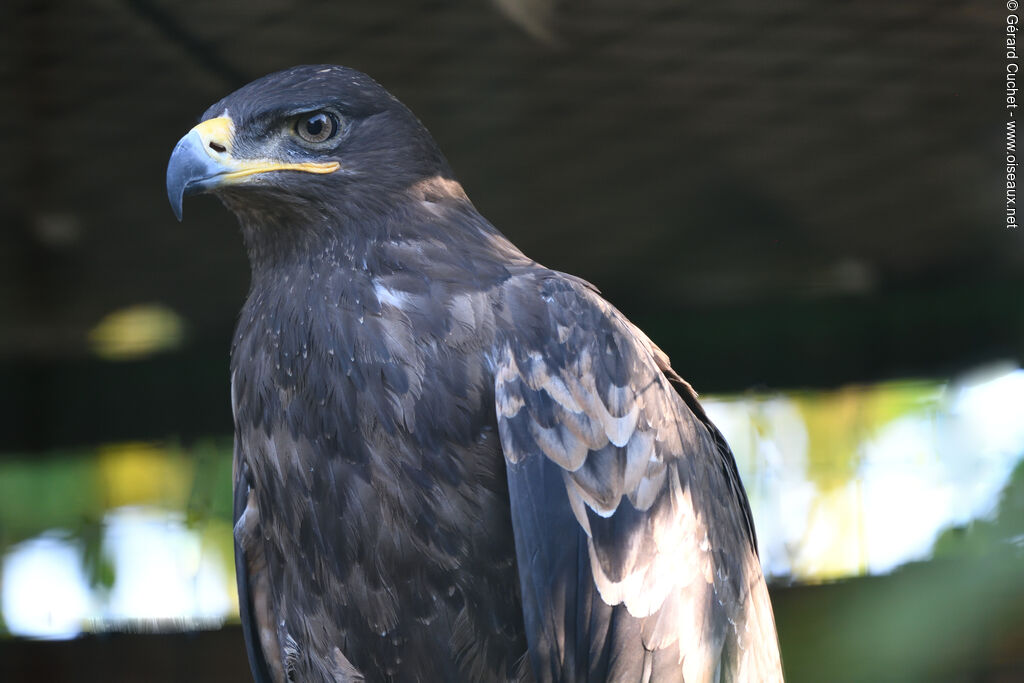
636,550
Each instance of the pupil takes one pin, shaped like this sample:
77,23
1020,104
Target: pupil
315,125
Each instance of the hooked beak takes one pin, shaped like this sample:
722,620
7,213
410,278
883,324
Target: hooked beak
202,162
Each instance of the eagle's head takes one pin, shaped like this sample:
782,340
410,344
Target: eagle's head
305,143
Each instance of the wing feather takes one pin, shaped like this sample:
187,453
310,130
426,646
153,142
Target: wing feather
251,573
633,535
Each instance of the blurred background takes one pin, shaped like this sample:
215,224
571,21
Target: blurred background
800,202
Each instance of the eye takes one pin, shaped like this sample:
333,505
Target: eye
317,127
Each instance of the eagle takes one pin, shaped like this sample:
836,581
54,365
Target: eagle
452,463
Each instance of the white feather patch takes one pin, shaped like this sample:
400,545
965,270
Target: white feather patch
391,297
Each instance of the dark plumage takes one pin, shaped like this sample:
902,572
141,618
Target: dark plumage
452,463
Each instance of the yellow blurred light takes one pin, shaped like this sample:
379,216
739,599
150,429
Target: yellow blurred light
136,332
144,474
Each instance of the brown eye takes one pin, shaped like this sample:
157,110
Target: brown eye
317,127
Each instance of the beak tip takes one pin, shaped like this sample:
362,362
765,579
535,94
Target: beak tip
188,171
178,175
175,195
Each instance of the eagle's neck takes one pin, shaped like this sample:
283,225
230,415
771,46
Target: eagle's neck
433,219
283,237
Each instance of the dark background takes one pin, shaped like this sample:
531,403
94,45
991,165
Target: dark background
787,194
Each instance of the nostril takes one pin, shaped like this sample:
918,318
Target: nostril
217,147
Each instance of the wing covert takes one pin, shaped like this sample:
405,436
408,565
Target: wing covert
645,485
